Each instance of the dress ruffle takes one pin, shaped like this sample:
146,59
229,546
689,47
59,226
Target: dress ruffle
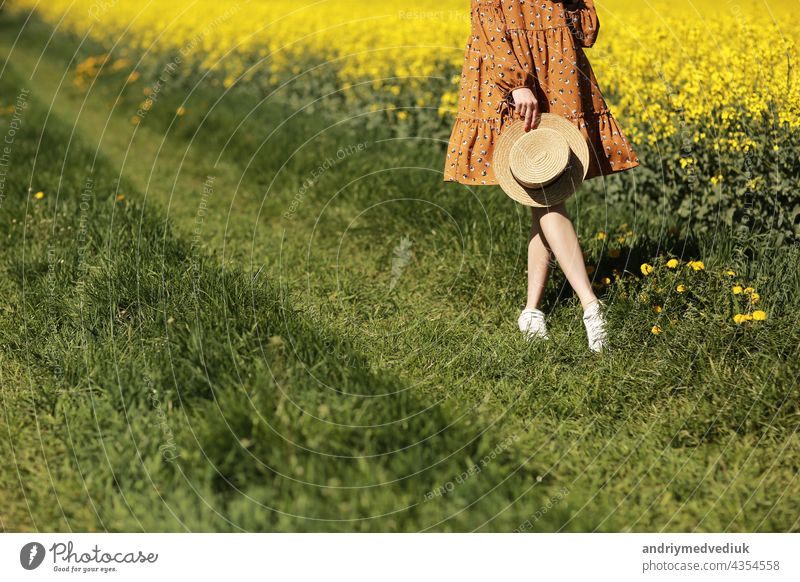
609,149
469,151
472,141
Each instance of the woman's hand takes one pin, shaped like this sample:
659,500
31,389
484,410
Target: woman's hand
526,106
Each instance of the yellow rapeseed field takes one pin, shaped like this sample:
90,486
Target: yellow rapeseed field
731,62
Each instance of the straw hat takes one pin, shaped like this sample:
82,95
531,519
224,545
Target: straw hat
543,166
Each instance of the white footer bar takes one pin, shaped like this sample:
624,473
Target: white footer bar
401,557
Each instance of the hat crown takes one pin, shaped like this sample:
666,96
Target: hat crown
542,160
539,157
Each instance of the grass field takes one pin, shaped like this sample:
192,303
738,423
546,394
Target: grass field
225,313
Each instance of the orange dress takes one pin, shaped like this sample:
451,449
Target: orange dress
536,44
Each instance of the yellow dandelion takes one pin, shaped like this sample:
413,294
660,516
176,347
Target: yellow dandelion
754,297
606,281
738,318
655,330
621,238
601,235
680,288
736,290
646,269
697,265
748,289
39,195
673,263
402,115
759,315
730,273
657,308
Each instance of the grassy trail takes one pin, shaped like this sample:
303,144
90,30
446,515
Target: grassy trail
690,432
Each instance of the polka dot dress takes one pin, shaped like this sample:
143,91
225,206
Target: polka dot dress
536,44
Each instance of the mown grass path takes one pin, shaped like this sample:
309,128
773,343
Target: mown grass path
420,284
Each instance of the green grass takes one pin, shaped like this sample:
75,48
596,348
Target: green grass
203,362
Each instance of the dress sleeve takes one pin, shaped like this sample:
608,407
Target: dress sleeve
507,49
582,18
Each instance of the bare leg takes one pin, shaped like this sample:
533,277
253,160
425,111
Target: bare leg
556,226
539,256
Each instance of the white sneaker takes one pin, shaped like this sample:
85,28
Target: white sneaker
595,324
531,323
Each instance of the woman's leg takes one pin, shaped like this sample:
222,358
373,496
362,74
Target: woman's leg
559,234
539,257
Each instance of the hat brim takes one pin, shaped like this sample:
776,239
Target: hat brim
558,190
